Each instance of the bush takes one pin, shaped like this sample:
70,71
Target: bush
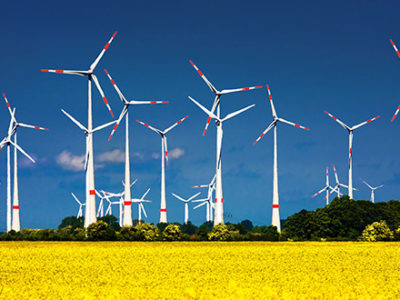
172,233
189,228
147,232
220,232
100,231
128,233
377,231
72,221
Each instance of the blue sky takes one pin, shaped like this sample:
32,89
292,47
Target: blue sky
315,56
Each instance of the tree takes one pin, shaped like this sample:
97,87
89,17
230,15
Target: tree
220,232
377,231
100,231
147,232
247,224
112,222
72,221
172,233
189,228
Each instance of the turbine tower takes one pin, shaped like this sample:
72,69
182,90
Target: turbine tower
275,195
127,220
219,200
326,188
13,221
90,209
350,130
336,188
372,190
186,202
164,157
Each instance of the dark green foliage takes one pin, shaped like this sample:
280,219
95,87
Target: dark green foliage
188,228
247,224
342,219
100,231
112,222
72,221
172,233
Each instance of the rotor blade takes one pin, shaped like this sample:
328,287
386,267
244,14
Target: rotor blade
337,120
200,186
104,126
133,183
32,126
175,124
272,103
8,106
76,198
378,187
122,114
94,64
74,120
293,124
134,102
366,122
96,82
194,196
200,200
204,109
148,126
367,184
231,115
395,48
22,151
144,195
71,72
178,197
86,159
336,175
121,96
343,185
395,114
201,204
223,92
216,101
143,210
265,131
324,189
212,88
165,148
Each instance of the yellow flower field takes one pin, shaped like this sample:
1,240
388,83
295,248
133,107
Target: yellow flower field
203,270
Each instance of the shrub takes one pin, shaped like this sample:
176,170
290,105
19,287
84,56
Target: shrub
100,231
377,231
220,232
172,233
128,233
147,232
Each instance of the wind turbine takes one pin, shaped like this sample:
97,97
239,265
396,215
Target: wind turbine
80,205
275,196
127,221
326,188
164,156
14,221
219,200
350,130
210,205
141,206
372,190
336,188
186,202
90,210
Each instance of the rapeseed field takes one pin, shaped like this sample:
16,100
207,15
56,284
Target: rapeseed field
199,270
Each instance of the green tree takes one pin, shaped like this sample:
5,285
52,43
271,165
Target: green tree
247,224
112,222
147,232
72,221
172,233
189,228
377,231
100,231
220,232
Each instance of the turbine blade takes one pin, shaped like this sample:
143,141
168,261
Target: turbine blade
96,82
32,126
337,120
201,204
324,189
175,124
194,196
134,102
216,101
94,64
336,175
395,114
178,197
395,48
272,103
143,210
265,131
71,72
22,151
121,96
165,148
209,113
212,88
8,106
144,195
148,126
121,115
228,91
104,126
74,120
293,124
363,123
231,115
76,198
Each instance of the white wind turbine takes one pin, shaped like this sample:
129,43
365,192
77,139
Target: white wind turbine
164,156
275,196
219,200
372,190
186,202
13,222
350,130
326,188
141,206
127,220
100,210
207,201
336,188
80,213
90,209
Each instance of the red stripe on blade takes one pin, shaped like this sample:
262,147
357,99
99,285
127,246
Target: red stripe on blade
59,71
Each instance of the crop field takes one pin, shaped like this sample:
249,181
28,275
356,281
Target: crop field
199,270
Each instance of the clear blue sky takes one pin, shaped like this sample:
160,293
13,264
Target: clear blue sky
316,56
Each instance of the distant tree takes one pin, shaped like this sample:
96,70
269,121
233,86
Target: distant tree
377,231
128,233
189,228
172,233
270,233
112,222
247,224
161,226
100,231
301,225
72,221
147,232
220,232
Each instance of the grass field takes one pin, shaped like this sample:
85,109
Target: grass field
203,270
